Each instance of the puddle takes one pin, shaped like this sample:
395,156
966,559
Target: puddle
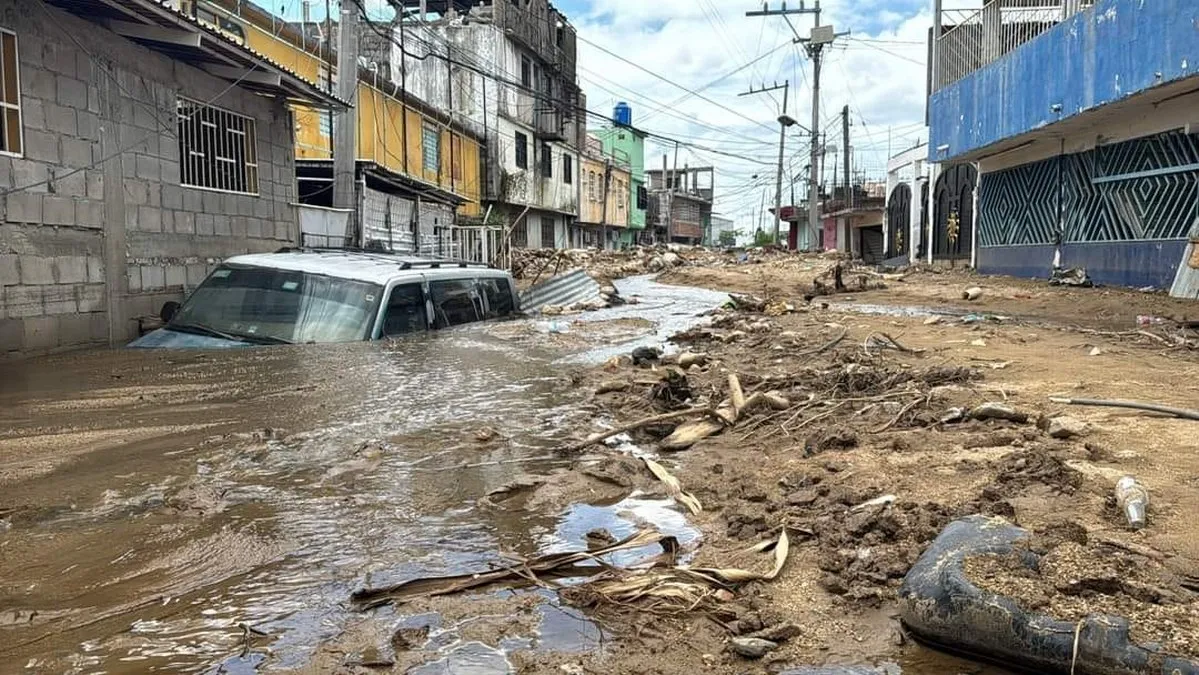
893,310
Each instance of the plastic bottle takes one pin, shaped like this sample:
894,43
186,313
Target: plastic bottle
1133,500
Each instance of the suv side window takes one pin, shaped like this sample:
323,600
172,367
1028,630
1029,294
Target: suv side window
499,297
454,302
405,311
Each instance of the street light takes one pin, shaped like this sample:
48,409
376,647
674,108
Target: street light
785,121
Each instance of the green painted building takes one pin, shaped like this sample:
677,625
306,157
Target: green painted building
623,142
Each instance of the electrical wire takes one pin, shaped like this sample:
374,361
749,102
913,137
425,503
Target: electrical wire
674,84
542,95
886,51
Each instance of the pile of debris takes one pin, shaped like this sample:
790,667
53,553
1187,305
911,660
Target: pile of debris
532,264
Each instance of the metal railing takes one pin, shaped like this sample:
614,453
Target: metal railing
972,39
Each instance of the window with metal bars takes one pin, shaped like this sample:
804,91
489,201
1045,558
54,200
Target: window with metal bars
431,147
10,95
547,232
218,149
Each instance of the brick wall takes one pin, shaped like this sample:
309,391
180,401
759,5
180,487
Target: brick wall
103,231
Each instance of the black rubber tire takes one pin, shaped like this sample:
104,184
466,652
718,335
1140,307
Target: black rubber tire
940,606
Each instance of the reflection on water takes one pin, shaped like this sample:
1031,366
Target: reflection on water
158,509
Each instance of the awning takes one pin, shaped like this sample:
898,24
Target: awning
383,179
167,30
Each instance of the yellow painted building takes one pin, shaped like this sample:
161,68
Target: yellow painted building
592,209
407,139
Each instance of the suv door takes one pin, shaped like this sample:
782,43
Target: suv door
455,302
405,310
501,301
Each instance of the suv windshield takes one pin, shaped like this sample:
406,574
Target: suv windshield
266,305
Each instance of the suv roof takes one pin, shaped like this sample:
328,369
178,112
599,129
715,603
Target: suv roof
373,267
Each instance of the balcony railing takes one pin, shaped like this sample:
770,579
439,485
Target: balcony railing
970,40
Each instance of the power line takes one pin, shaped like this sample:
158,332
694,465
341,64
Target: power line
684,118
886,51
674,84
724,77
543,96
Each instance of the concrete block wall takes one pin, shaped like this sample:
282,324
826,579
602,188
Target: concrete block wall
95,220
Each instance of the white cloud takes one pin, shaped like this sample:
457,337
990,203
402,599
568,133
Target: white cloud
692,42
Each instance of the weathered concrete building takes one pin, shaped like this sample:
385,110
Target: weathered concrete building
680,204
139,148
506,69
603,197
1066,131
626,143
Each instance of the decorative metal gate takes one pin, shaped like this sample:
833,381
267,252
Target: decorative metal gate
925,235
953,230
899,220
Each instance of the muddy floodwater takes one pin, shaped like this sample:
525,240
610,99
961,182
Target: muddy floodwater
192,511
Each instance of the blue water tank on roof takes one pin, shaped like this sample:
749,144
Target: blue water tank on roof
623,114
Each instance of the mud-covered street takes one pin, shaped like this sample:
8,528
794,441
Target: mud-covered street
217,511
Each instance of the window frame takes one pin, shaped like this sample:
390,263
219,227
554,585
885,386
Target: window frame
385,307
476,300
426,129
553,226
251,136
547,161
5,106
521,144
567,169
456,157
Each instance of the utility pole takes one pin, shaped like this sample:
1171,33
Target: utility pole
819,37
785,121
848,196
346,127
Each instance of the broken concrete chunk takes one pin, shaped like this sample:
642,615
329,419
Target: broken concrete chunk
972,293
752,648
1064,427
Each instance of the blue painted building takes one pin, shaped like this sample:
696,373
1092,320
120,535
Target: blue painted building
1080,122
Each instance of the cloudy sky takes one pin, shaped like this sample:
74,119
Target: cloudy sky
649,53
878,71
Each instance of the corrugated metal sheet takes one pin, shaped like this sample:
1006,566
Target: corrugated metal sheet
1186,283
564,289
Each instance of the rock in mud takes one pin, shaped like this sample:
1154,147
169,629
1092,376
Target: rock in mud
609,386
1064,427
746,525
372,657
779,632
837,438
619,471
803,497
406,639
998,411
646,356
972,293
752,648
599,538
